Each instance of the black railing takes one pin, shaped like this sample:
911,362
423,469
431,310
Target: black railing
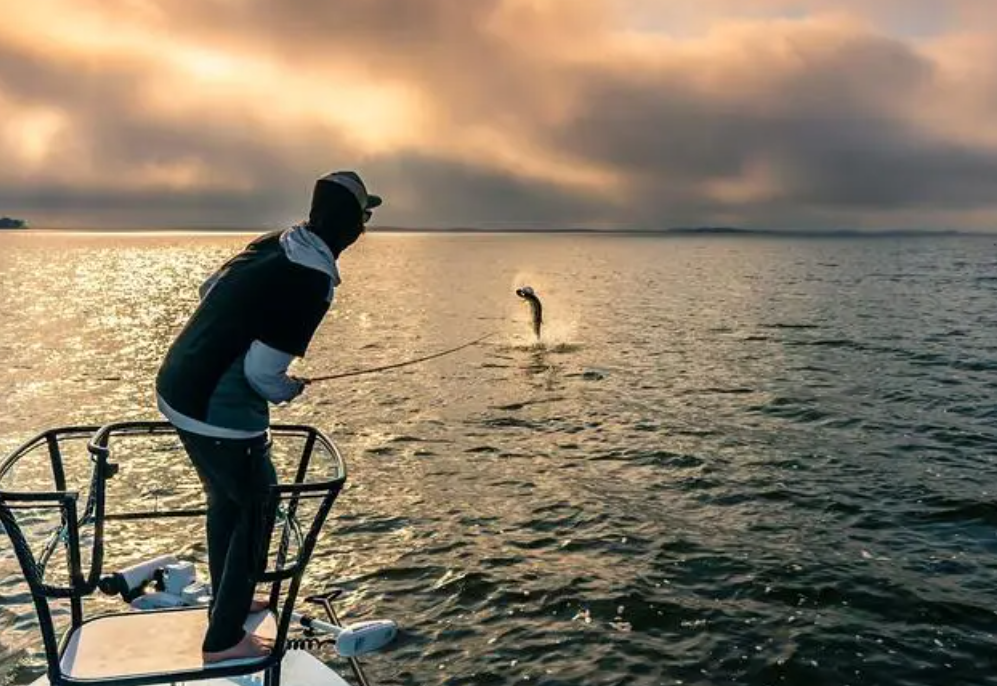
283,510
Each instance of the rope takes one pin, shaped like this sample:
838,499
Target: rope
396,365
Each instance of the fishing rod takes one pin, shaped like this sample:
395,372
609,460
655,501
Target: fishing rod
526,293
396,365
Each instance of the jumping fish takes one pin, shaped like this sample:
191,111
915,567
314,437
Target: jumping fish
526,293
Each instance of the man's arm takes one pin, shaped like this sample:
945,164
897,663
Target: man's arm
266,371
294,308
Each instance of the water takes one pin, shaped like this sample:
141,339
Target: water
734,460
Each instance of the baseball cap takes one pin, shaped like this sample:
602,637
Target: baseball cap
353,183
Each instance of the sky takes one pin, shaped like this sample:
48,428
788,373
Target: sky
638,114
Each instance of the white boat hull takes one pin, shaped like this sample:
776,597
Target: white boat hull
298,668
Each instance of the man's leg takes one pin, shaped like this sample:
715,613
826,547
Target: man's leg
223,512
251,476
239,473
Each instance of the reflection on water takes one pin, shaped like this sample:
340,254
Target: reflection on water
727,461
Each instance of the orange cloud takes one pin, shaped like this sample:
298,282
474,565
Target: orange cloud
613,112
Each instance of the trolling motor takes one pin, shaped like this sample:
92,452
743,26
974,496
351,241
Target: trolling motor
175,584
131,581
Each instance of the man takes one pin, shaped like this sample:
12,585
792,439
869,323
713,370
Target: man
257,313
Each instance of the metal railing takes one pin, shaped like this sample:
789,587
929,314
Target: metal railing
282,570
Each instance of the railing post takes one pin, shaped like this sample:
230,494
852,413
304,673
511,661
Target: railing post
55,456
76,581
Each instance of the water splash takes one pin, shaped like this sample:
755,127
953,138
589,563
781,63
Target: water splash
555,334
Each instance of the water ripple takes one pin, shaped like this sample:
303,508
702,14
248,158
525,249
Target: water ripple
730,461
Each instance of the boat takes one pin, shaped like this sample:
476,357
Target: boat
157,638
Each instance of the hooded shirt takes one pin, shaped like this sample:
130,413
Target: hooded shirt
257,313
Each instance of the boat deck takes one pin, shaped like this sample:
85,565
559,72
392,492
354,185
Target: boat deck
144,643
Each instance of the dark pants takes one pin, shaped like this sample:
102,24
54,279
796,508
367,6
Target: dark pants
236,474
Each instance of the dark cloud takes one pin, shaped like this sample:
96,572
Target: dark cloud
473,195
835,127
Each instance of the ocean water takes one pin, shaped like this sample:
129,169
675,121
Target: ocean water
731,461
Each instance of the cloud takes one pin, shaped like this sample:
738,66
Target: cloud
628,113
813,117
476,196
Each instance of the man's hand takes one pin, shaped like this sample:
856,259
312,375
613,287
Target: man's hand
301,383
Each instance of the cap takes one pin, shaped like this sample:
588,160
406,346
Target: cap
353,183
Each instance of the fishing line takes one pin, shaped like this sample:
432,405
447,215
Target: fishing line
396,365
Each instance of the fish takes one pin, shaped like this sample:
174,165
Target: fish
527,293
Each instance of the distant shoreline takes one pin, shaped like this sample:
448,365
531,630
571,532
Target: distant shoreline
725,232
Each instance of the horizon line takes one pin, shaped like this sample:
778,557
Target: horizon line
670,231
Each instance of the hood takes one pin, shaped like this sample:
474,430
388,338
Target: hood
304,247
